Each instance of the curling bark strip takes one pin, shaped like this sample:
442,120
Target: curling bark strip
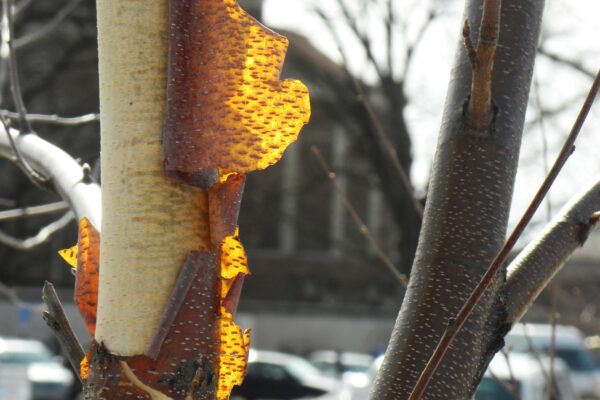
172,265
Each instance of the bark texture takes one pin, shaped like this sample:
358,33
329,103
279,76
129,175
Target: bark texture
150,222
537,264
465,218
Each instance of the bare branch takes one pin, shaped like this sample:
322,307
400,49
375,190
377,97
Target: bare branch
31,173
49,27
15,300
31,211
8,50
362,227
539,261
364,40
388,147
410,49
67,176
456,324
59,324
54,119
42,236
571,63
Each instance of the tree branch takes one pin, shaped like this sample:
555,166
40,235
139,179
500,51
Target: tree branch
59,324
49,27
41,237
31,211
539,261
388,146
456,324
67,176
362,227
54,119
561,60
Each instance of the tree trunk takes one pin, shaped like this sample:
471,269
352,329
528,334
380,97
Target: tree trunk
150,222
465,218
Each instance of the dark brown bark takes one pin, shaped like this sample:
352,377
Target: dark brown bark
465,218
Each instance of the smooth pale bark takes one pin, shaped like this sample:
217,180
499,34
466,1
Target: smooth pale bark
67,176
465,219
150,223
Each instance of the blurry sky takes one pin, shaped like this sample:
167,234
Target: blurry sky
571,29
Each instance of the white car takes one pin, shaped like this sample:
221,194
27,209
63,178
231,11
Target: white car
272,375
44,377
569,347
524,377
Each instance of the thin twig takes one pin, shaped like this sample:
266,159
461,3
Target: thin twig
31,173
59,324
513,382
498,263
15,84
54,119
362,227
410,48
502,383
49,27
41,237
482,60
15,300
552,351
35,210
8,50
361,36
388,146
560,60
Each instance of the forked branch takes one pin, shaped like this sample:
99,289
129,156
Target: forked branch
456,324
535,266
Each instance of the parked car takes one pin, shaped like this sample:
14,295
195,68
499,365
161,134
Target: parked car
525,377
352,368
278,376
48,378
569,347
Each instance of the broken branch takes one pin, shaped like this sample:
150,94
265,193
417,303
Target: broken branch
59,324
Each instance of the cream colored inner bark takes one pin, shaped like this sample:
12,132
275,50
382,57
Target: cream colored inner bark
149,222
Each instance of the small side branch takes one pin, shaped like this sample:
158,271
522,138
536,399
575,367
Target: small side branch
41,237
35,210
537,264
362,227
482,58
59,324
54,119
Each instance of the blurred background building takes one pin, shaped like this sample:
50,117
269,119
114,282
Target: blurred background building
315,282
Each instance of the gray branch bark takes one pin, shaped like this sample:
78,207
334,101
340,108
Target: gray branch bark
465,218
67,176
537,264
